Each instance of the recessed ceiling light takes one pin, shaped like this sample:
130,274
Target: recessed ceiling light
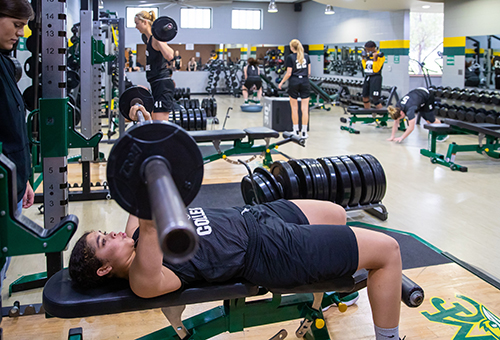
426,6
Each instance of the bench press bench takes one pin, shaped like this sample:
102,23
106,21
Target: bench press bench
366,116
244,142
488,141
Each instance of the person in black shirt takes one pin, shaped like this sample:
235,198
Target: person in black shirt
159,76
496,65
14,16
177,61
192,64
298,69
251,73
416,101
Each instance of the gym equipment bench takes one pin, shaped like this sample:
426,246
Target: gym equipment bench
242,146
61,299
366,116
488,141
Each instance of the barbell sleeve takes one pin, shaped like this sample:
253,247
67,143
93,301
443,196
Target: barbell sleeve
412,294
176,234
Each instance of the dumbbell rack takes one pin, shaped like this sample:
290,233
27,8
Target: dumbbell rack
355,182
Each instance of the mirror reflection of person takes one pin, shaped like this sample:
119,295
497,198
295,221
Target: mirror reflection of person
252,78
177,61
130,61
496,68
159,76
192,64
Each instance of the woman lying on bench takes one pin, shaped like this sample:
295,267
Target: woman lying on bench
281,244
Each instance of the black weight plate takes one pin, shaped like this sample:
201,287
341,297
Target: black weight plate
343,182
264,187
274,185
378,172
199,122
319,178
138,144
164,29
29,67
187,94
285,176
306,186
29,97
203,119
367,179
191,120
72,79
356,185
247,190
331,177
269,192
214,108
135,95
185,120
177,118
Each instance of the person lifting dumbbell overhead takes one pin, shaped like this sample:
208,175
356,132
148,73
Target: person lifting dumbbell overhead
251,73
158,74
372,61
298,69
419,100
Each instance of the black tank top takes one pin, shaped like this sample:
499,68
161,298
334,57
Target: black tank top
252,71
223,243
156,65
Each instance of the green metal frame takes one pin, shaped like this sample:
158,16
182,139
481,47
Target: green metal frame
241,148
237,314
490,148
380,120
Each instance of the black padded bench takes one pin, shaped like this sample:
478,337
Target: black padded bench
488,141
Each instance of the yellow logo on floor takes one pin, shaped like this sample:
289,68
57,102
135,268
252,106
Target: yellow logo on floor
460,316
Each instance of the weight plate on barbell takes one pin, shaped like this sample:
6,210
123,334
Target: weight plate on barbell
343,182
367,179
284,175
331,177
266,189
277,189
135,95
203,119
164,29
356,185
378,172
320,182
199,122
306,186
153,139
191,120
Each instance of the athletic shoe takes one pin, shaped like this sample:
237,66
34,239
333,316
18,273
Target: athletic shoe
246,101
304,135
442,138
349,300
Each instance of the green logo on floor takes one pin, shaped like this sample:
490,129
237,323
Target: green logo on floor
458,315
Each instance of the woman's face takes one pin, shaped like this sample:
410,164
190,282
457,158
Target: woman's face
176,53
11,30
141,25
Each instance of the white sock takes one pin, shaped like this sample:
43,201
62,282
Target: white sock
304,128
295,128
386,333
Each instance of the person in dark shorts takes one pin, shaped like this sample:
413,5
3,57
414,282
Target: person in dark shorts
416,101
373,61
177,61
251,73
281,244
496,66
298,69
158,74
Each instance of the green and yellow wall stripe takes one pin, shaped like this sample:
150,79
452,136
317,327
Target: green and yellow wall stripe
395,47
454,46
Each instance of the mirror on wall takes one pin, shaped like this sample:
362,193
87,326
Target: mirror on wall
482,62
343,59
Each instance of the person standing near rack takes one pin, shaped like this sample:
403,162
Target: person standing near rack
14,15
159,76
298,69
496,65
177,61
373,61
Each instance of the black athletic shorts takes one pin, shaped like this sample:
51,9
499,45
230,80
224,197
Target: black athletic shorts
251,81
428,115
299,87
284,251
372,87
163,94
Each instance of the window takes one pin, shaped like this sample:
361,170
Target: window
132,11
426,43
246,19
196,18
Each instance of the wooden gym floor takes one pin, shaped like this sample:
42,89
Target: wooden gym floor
454,211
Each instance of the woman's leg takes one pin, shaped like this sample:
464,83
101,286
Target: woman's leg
244,90
380,255
160,116
304,106
321,212
295,111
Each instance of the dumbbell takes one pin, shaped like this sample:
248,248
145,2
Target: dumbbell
452,111
470,116
464,95
481,115
485,98
492,116
461,112
456,92
154,171
439,92
495,99
474,96
443,110
164,29
446,92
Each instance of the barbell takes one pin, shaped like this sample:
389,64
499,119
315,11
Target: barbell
154,171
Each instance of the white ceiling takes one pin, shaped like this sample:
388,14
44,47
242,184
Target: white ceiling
387,5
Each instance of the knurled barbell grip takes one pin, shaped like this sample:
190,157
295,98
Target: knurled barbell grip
176,234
